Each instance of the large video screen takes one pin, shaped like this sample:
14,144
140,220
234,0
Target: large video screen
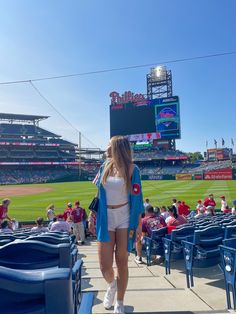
149,120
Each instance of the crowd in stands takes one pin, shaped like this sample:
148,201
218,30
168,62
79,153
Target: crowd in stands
73,220
20,176
175,215
156,154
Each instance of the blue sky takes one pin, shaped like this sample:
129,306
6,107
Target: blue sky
47,38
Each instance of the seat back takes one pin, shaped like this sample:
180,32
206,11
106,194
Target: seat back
36,292
230,232
49,239
209,237
180,234
34,255
159,234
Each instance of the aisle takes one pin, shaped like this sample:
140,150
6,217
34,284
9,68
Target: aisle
150,291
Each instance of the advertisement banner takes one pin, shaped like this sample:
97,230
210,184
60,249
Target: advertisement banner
197,176
183,176
219,174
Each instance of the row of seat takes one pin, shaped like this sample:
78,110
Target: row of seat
41,274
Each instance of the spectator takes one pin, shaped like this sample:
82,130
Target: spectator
164,212
224,204
146,202
200,206
175,220
51,222
78,226
174,200
67,211
92,223
227,210
183,209
6,227
50,212
149,223
210,204
39,228
233,210
60,225
4,209
201,212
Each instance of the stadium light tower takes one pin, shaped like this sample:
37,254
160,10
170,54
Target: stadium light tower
159,83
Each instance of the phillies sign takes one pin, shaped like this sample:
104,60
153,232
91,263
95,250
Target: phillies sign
116,98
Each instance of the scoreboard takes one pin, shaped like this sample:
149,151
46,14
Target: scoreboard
146,119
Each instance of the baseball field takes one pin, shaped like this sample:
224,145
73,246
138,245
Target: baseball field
30,201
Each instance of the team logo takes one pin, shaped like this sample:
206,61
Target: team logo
166,116
136,188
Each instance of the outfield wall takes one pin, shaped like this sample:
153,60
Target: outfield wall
219,174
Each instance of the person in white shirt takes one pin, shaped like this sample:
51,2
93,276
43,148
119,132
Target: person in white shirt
233,210
60,225
6,227
146,202
200,207
223,203
39,228
164,212
50,212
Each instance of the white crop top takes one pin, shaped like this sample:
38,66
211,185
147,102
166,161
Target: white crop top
116,193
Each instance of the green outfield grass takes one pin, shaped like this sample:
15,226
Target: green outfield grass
159,192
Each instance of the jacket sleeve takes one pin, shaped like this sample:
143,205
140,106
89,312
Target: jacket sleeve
137,195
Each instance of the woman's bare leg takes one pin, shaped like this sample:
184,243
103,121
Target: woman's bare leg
121,255
105,255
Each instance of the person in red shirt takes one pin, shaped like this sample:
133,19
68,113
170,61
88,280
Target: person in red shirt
210,204
4,210
183,209
67,211
150,222
78,226
175,220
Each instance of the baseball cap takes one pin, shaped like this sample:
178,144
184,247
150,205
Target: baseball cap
69,204
60,216
222,196
234,202
199,201
77,203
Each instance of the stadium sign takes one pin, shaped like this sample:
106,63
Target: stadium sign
128,96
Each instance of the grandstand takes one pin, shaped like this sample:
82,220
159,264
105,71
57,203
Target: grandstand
31,154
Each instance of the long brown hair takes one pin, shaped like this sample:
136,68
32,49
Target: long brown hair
121,159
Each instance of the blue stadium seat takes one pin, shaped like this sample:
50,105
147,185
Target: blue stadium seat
228,265
173,246
202,250
154,245
36,292
230,231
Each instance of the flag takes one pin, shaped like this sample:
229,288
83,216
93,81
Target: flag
232,142
223,142
215,142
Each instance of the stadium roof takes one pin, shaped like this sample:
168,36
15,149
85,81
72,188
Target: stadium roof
21,117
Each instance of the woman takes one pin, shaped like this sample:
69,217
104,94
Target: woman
118,218
174,219
50,212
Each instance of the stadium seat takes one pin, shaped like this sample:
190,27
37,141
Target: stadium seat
228,265
154,245
230,231
202,250
36,292
173,246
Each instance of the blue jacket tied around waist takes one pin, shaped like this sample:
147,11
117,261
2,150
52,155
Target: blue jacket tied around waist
135,203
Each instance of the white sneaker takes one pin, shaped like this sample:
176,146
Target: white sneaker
138,260
110,295
119,307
